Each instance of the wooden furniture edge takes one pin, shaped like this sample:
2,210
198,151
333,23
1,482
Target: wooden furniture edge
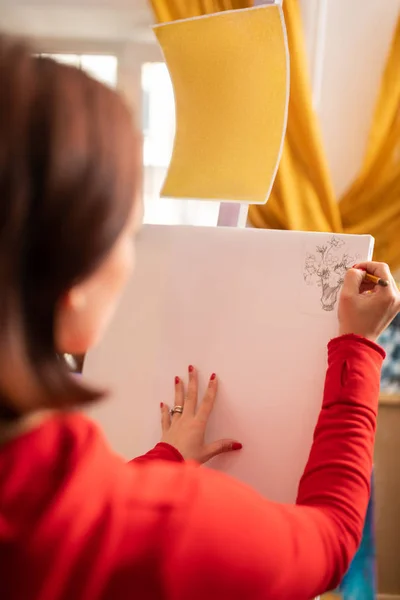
389,400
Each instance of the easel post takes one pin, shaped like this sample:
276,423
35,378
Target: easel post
232,214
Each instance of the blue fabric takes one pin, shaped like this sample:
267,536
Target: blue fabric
360,580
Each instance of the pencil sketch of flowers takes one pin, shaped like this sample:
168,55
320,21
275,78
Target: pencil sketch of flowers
326,269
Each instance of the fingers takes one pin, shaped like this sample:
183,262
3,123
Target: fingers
206,407
192,391
352,282
220,447
189,402
382,270
179,392
378,269
355,278
165,418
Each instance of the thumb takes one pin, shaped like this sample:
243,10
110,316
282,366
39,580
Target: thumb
352,282
220,447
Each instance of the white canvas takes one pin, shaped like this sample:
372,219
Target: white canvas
247,304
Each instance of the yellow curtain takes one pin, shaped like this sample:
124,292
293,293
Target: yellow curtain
303,196
171,10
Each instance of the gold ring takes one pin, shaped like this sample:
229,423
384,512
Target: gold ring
176,409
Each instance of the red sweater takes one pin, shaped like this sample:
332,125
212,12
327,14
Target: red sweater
78,523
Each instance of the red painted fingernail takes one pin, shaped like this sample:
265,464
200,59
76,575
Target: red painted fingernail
237,446
213,377
161,404
191,369
177,380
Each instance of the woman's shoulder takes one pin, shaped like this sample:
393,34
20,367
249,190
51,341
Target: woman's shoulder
69,451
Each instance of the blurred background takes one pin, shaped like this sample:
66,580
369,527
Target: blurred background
347,47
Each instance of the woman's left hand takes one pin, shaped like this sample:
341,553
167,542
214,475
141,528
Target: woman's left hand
186,430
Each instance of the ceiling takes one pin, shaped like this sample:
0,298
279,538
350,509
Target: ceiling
111,20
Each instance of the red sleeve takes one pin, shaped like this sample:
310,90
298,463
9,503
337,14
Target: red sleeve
235,543
160,452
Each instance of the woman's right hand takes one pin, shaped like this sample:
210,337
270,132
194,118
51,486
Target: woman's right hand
366,309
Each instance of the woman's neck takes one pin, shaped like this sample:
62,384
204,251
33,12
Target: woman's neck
13,429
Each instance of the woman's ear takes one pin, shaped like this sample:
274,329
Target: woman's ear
71,327
75,299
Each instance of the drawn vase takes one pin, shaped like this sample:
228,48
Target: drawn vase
329,296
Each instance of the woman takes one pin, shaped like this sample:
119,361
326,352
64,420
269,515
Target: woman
75,521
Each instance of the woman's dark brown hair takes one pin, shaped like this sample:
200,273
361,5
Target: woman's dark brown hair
69,168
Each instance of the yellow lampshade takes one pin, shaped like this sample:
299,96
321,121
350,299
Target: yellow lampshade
230,75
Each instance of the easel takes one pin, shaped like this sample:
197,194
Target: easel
232,215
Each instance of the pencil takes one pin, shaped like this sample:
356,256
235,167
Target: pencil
376,280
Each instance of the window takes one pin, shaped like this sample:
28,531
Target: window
158,115
158,125
104,68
